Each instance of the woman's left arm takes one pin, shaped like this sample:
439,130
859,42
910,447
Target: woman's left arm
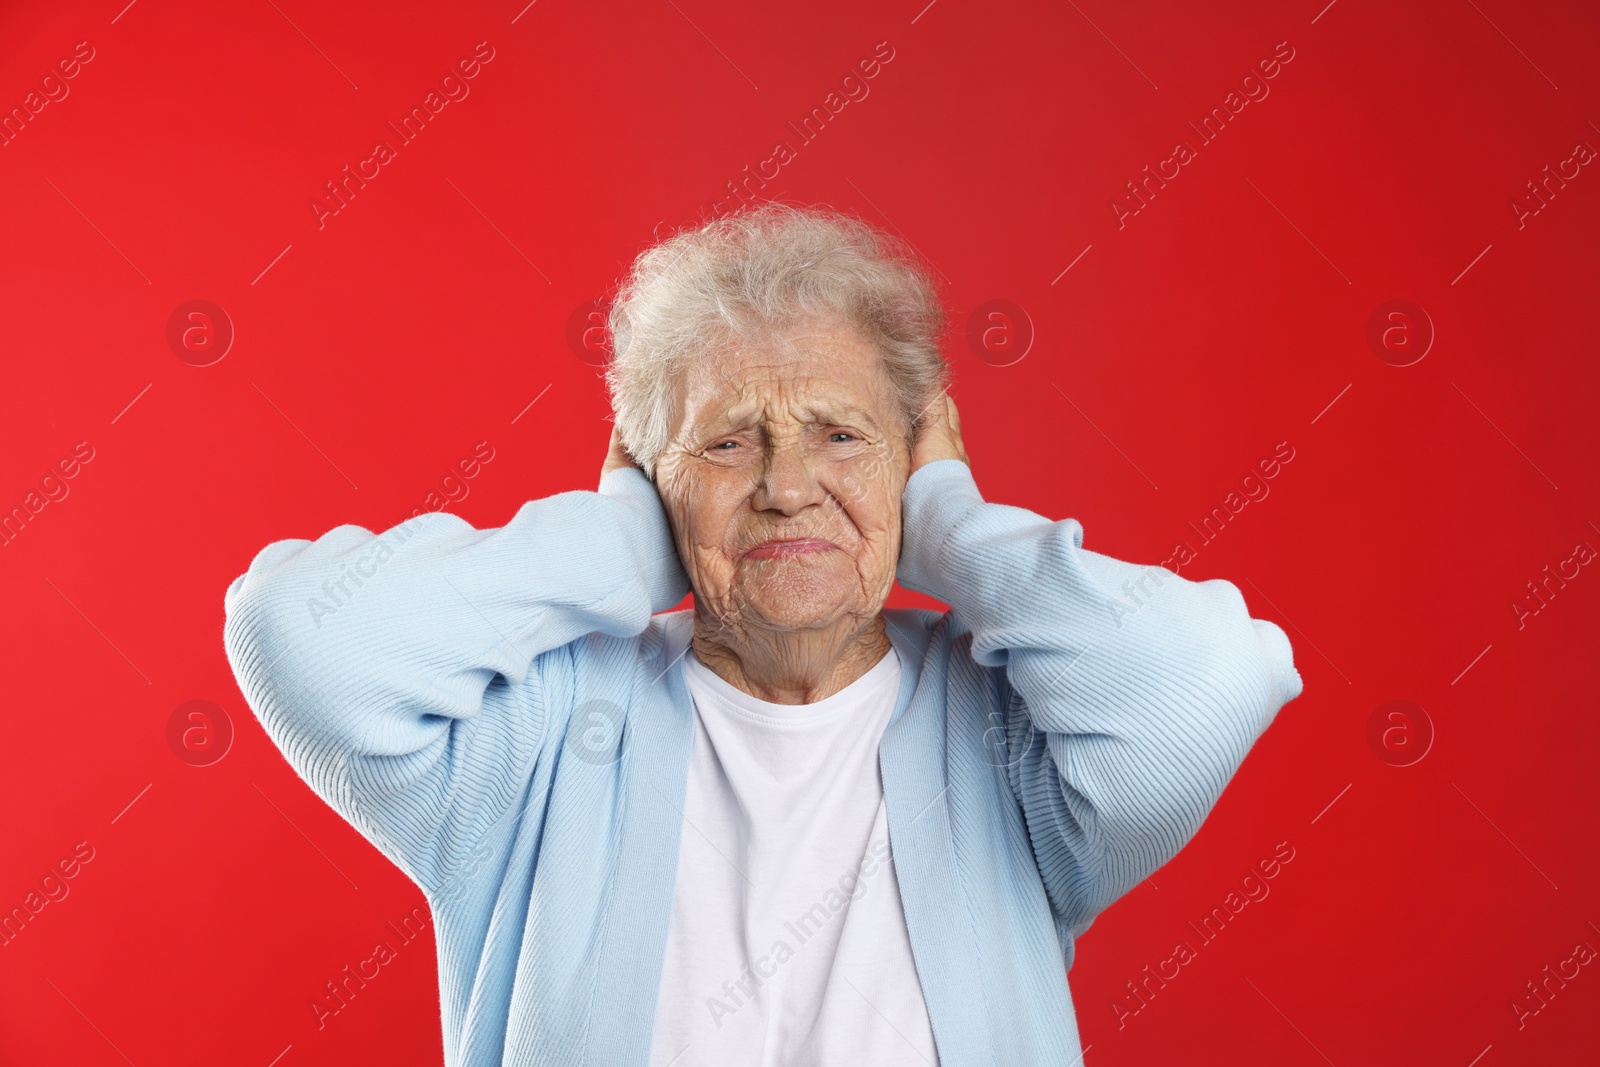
1149,688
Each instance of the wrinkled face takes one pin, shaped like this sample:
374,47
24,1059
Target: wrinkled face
782,479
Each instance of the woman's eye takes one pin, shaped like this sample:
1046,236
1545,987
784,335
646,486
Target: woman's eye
841,437
724,446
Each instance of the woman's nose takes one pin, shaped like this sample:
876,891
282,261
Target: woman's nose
786,482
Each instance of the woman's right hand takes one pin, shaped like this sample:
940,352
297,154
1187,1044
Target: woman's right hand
618,456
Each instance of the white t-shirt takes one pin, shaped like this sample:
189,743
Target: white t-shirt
788,947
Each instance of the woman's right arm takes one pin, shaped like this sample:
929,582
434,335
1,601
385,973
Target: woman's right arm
399,672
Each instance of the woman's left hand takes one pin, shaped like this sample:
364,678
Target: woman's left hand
938,435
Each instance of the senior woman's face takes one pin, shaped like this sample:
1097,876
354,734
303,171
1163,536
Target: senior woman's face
783,477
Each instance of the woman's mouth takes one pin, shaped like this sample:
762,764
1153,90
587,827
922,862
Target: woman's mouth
783,549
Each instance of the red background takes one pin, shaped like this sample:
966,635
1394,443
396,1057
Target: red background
1228,315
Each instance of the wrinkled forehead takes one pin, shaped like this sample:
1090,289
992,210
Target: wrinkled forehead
817,373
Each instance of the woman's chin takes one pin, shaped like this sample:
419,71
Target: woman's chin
788,613
806,592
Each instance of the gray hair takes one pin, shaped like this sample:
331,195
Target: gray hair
762,269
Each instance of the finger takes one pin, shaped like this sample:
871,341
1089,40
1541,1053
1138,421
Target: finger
616,455
933,411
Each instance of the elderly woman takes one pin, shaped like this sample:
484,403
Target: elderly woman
787,826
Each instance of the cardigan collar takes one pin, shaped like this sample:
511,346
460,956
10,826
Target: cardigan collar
654,774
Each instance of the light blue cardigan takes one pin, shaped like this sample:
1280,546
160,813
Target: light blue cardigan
1060,733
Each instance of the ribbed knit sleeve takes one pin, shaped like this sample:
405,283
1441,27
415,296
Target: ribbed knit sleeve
1148,688
399,672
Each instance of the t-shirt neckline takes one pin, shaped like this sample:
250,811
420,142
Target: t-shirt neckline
851,696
